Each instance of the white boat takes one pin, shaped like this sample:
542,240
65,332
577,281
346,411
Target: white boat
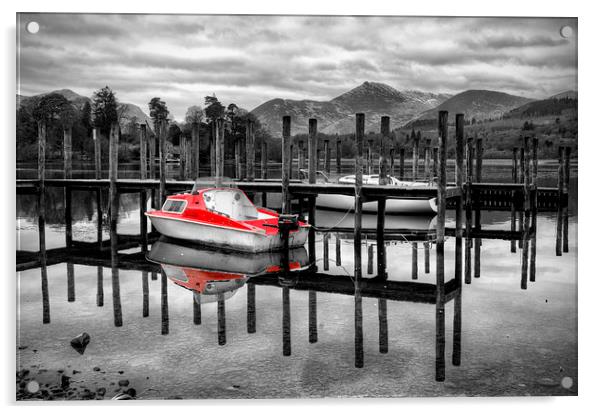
394,206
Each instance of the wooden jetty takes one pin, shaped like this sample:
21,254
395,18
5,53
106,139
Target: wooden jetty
465,194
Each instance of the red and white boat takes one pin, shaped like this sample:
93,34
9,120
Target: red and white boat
225,218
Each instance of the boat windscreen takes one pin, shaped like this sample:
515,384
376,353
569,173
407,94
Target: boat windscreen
174,206
231,203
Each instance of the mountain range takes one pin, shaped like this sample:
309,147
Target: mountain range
338,115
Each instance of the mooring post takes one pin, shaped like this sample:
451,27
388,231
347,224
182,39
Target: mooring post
325,251
264,169
100,294
339,151
212,139
427,257
196,310
221,319
251,308
477,210
162,160
338,250
414,260
402,155
152,148
415,156
290,160
457,324
143,150
370,156
435,162
534,170
242,156
460,200
370,269
195,141
565,211
427,160
527,211
286,154
392,161
357,240
145,295
326,156
219,153
468,207
312,145
42,218
286,321
513,204
237,159
114,214
250,147
183,149
98,175
385,131
383,327
560,200
521,179
313,317
440,292
164,305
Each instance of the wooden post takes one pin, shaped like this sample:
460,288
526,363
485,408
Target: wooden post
286,154
513,205
290,161
427,257
264,169
143,151
325,252
195,150
326,157
477,211
468,207
250,147
357,240
221,319
383,328
313,317
370,156
435,162
312,145
560,200
402,155
440,298
162,160
219,153
286,319
527,211
99,217
414,261
152,150
114,213
339,153
183,157
338,250
237,159
143,222
427,160
534,171
251,309
164,305
67,151
100,294
392,161
565,211
370,269
196,309
145,295
415,156
97,137
385,131
68,217
212,149
42,219
457,324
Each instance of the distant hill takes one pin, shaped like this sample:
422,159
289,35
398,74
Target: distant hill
338,115
477,104
127,111
556,105
566,94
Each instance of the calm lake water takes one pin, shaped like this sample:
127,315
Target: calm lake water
513,341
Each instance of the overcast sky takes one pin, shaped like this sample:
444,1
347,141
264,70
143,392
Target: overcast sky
251,59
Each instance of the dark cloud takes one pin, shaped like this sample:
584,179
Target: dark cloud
250,59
